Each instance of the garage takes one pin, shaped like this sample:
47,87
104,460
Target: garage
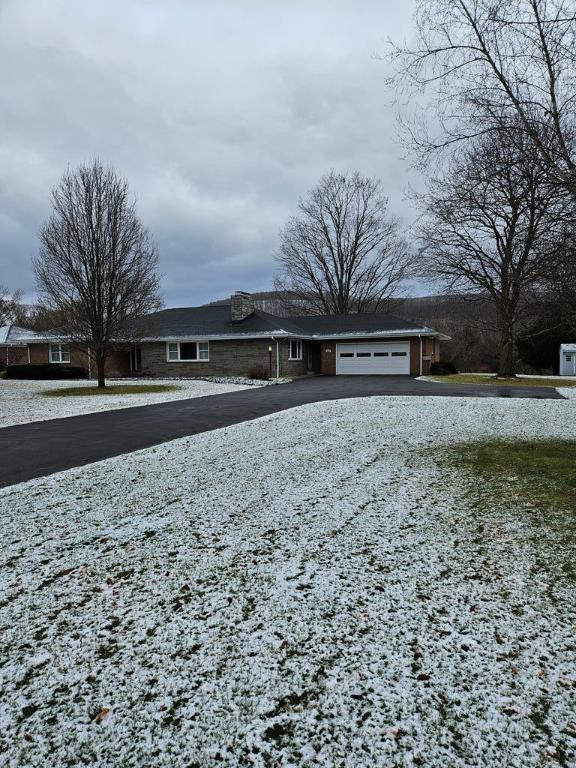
373,358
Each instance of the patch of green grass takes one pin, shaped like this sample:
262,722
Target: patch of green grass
120,389
475,378
539,473
527,489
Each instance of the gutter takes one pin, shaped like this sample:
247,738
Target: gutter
349,335
420,340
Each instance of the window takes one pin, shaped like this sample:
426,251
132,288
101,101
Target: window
399,354
363,354
346,354
380,354
568,358
188,351
59,353
295,349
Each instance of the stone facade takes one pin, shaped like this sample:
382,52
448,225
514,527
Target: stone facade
241,306
229,357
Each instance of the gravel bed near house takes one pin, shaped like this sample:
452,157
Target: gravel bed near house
22,401
240,380
314,588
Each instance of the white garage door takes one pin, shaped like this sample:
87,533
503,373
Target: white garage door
390,357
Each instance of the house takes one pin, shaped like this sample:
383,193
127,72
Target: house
230,339
22,346
568,360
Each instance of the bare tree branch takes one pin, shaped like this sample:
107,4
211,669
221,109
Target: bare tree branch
10,306
497,226
343,253
97,267
496,66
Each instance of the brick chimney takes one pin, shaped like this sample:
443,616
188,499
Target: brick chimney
242,306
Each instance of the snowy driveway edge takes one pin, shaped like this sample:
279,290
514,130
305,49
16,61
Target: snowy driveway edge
22,402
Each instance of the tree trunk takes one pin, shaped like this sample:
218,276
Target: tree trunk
506,353
100,364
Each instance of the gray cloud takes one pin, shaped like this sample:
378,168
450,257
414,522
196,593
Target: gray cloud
219,114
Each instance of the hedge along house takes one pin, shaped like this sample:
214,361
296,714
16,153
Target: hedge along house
235,338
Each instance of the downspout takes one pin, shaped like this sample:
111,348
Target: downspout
277,357
89,362
28,348
420,338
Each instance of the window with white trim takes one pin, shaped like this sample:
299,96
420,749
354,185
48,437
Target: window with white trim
295,349
59,353
187,351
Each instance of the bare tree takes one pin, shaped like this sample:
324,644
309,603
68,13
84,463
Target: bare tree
10,305
495,226
342,253
506,66
97,267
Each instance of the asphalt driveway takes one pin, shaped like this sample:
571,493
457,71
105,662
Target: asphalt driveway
42,448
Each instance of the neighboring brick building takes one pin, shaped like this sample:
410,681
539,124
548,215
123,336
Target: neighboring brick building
21,346
234,339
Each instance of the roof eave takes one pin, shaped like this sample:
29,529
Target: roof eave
293,335
217,336
378,334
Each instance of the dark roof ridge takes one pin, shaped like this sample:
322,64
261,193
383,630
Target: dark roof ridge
358,314
197,306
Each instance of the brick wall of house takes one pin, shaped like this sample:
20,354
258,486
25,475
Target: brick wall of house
227,358
118,363
13,356
328,358
430,353
39,355
415,356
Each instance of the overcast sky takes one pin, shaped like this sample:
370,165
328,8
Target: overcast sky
220,113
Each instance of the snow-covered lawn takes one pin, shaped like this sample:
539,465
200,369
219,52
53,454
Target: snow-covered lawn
314,588
24,401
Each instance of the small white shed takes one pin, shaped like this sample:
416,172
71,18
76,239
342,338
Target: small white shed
568,360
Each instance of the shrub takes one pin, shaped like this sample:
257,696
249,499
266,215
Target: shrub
258,372
443,368
45,371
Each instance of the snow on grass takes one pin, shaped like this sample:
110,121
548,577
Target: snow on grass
312,588
24,401
491,379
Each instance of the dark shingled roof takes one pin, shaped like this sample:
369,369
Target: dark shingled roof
212,321
215,320
363,322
